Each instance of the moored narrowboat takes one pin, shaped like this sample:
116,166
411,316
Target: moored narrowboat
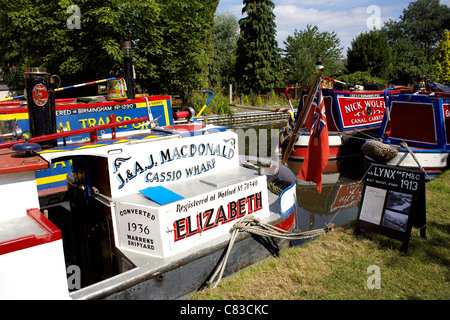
414,134
149,214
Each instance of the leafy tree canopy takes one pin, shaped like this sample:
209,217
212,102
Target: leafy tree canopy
422,22
370,52
441,59
409,61
224,39
301,51
403,48
171,40
183,60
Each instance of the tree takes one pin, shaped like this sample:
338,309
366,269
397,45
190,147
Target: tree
422,22
370,51
182,62
302,49
258,61
224,40
36,33
441,58
408,61
171,51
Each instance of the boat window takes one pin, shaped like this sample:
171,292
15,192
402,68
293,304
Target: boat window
413,122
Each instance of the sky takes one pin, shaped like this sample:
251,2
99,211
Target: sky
347,18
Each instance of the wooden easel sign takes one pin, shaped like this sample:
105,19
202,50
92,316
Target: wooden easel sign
392,201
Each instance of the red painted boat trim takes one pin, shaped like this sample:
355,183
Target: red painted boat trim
52,191
52,234
66,104
91,130
299,153
288,223
13,110
11,163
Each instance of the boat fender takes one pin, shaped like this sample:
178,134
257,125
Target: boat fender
378,151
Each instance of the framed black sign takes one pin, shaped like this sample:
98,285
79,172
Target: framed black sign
392,202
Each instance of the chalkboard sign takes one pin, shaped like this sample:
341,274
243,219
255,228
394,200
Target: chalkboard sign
392,202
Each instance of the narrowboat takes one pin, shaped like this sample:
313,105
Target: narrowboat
81,113
149,213
351,116
414,134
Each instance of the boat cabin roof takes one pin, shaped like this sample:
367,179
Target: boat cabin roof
12,161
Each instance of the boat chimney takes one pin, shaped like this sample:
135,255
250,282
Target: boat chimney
319,66
40,117
128,68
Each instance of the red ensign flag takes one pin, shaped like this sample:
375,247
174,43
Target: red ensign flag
318,147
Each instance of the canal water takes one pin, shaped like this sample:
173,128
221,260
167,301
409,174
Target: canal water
339,201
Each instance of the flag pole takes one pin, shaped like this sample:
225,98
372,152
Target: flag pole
303,113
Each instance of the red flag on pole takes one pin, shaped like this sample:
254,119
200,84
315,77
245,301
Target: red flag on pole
318,147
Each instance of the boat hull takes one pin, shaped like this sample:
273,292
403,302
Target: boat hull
348,113
151,216
341,146
178,279
181,239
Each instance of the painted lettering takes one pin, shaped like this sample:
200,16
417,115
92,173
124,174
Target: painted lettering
211,218
208,214
384,172
202,149
180,229
232,210
221,216
190,230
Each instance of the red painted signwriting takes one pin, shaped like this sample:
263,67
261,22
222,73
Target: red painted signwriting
211,218
361,111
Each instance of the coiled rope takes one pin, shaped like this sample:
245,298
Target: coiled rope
274,188
254,226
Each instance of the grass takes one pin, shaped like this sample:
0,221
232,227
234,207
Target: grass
335,265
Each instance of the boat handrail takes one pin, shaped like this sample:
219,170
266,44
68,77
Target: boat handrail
91,130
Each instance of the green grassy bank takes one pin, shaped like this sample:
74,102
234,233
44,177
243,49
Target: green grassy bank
335,265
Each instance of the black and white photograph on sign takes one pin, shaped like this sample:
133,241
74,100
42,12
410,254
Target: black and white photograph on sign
399,201
395,220
372,205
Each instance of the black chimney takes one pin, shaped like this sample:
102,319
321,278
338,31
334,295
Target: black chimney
128,68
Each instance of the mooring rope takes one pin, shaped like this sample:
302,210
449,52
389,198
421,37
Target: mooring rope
353,133
405,145
274,189
254,226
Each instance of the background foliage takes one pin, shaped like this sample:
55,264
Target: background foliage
441,58
171,40
370,52
181,45
301,51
